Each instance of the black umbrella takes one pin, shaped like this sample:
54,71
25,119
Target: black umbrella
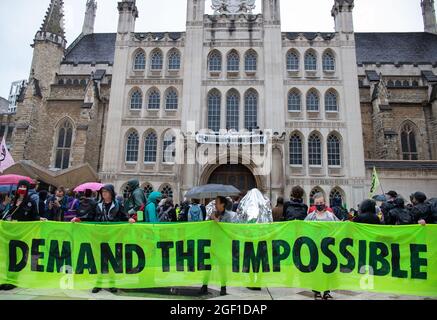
211,191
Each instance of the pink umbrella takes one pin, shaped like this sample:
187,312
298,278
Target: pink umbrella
93,186
9,179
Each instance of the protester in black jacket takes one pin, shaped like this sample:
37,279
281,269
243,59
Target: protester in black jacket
109,209
23,208
421,211
367,213
399,215
87,208
388,205
295,209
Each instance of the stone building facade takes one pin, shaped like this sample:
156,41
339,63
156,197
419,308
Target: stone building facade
185,108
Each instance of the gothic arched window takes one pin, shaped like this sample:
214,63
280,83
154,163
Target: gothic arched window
314,150
294,101
174,60
310,61
132,147
233,111
214,111
167,191
171,100
336,193
292,61
334,151
251,61
63,147
215,61
148,189
154,100
331,101
150,148
136,100
296,150
140,61
328,61
233,61
251,110
169,148
157,60
313,101
408,143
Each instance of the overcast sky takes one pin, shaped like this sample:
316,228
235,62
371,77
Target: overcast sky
22,18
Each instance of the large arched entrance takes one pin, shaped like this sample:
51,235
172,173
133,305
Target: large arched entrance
236,175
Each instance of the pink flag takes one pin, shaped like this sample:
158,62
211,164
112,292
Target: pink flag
6,160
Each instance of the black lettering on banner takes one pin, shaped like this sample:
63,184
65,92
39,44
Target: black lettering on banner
378,252
202,256
397,272
108,257
60,259
417,262
181,256
297,255
37,255
279,256
349,267
86,259
362,256
14,265
165,247
255,259
130,249
235,256
329,268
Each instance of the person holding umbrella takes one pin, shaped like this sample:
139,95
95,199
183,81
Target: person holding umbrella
221,215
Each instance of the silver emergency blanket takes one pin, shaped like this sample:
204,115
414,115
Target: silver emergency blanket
210,210
255,208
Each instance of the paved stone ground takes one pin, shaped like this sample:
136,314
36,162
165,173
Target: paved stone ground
192,294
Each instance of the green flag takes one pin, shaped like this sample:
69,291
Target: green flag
375,183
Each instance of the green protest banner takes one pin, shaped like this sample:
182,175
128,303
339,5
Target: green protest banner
318,256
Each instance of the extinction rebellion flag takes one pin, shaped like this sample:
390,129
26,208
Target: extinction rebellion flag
375,183
309,255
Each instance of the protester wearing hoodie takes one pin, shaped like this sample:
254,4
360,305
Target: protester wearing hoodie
388,205
108,209
399,215
367,213
23,208
337,207
137,199
295,209
421,211
151,212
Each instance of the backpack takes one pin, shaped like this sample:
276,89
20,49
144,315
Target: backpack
403,216
433,205
341,213
195,213
86,210
296,212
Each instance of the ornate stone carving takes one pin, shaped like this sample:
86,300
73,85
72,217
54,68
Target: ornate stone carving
233,6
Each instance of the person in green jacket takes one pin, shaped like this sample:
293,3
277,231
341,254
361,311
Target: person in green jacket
151,212
136,198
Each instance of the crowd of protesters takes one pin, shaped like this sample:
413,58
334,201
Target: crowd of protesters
104,206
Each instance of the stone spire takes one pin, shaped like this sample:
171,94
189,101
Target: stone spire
429,19
54,19
52,28
90,17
